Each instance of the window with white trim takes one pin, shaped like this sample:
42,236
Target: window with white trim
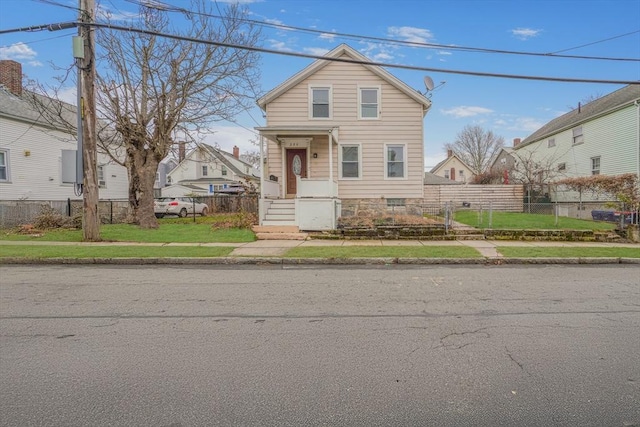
349,161
395,161
101,181
578,137
446,173
320,102
595,165
4,165
369,103
205,170
223,170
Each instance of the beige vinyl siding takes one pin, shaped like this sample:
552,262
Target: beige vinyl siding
401,122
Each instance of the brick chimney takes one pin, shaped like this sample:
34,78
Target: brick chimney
516,142
11,76
182,149
236,152
449,153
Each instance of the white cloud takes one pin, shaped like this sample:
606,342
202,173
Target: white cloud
525,33
274,21
378,52
279,45
444,52
527,124
328,36
466,111
68,94
432,160
318,51
106,13
18,51
411,34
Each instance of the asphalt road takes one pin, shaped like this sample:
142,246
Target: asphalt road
353,346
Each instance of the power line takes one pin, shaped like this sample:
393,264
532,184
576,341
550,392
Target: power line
159,5
54,27
357,61
596,42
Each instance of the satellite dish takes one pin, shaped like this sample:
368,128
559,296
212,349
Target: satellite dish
428,82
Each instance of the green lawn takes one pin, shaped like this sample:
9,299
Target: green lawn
382,251
526,221
86,251
169,232
568,252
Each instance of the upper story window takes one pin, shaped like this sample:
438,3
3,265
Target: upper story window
4,165
205,170
461,175
101,181
369,101
320,102
578,138
350,161
446,173
551,142
595,165
224,170
395,163
562,167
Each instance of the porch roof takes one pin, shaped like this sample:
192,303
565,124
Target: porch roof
273,132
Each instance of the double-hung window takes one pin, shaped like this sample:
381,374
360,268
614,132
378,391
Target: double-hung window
320,102
595,165
223,170
349,161
578,137
369,102
395,161
101,181
205,170
4,165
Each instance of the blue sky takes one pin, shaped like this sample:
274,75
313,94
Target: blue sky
509,107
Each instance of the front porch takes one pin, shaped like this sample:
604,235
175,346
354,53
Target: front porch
298,186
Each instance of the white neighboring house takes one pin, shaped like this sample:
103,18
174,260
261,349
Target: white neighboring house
601,137
165,166
37,160
207,170
454,169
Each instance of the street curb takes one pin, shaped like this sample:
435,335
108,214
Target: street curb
315,261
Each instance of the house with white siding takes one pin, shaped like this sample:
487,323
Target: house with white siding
38,157
601,137
207,170
339,133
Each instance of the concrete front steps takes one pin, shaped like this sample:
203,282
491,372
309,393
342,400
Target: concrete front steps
279,232
281,212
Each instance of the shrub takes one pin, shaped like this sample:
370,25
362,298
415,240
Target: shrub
239,220
50,219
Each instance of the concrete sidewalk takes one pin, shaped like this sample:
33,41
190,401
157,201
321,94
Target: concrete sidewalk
273,251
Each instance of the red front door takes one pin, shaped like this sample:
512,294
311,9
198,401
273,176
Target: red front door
296,165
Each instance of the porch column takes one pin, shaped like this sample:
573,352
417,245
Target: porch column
262,168
330,158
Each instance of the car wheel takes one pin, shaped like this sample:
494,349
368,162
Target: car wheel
159,215
204,212
183,213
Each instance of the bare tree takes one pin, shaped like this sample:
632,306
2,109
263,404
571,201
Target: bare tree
153,90
476,147
536,173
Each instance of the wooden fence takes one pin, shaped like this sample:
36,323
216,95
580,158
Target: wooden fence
501,197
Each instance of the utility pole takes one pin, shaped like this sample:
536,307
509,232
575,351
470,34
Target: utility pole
87,109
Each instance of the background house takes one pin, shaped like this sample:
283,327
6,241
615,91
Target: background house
37,157
341,135
207,170
503,164
453,168
165,166
601,137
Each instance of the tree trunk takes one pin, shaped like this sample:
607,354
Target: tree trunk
142,167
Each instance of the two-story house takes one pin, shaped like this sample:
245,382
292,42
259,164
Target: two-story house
38,154
207,170
600,137
340,133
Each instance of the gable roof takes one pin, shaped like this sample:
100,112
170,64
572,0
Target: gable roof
433,179
223,157
336,54
442,163
601,106
55,114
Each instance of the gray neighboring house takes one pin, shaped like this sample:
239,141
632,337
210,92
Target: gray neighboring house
164,167
38,156
601,137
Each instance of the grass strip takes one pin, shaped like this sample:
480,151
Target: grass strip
59,251
568,252
167,233
382,252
